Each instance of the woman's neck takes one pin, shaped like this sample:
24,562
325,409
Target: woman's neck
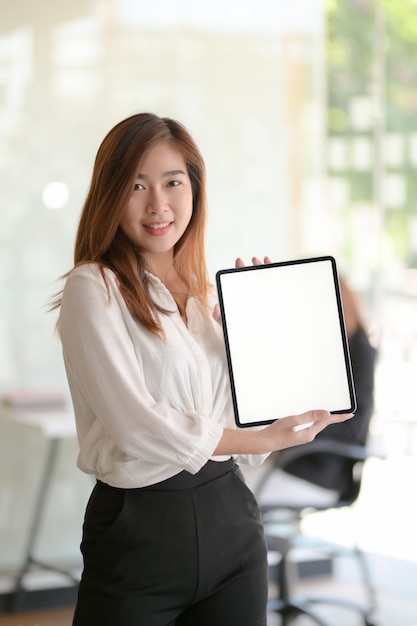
161,266
164,269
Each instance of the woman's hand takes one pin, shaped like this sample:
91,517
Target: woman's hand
239,263
297,429
283,433
255,261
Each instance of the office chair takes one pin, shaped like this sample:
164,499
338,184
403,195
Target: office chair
282,521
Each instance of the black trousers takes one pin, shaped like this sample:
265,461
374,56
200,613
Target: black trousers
189,551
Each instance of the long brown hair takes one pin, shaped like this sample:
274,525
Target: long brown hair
99,238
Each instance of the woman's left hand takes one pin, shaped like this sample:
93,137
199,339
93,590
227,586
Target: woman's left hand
255,261
240,263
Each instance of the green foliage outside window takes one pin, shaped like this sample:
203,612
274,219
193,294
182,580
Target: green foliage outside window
371,53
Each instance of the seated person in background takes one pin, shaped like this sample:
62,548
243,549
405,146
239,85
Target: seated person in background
327,470
363,358
318,478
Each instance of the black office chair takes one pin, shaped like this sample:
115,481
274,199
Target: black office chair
282,521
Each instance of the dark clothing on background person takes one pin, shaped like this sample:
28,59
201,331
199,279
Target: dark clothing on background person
363,359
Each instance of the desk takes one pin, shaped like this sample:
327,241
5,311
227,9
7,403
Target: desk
55,425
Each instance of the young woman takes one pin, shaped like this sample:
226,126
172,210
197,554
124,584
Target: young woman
172,534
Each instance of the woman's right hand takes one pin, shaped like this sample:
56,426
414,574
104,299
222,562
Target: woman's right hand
297,429
283,433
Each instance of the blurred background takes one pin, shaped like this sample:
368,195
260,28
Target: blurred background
306,114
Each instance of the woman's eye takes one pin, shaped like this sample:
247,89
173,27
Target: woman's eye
174,183
138,186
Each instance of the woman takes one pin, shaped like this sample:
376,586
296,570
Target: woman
171,534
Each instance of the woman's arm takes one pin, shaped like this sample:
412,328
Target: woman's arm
283,433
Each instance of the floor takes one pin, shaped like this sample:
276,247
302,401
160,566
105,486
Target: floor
56,617
383,522
393,609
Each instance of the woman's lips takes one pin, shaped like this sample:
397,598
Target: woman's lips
157,229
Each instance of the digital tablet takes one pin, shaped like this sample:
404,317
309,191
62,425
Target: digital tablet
285,340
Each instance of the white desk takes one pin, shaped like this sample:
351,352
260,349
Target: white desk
55,425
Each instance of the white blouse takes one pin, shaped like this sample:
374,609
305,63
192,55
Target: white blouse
146,408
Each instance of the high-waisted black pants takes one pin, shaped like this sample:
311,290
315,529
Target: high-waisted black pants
189,551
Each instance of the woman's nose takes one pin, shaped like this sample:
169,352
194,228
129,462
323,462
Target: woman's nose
156,202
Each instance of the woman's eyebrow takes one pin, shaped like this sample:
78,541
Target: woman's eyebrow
174,173
164,174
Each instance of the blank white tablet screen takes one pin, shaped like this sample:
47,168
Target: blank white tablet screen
285,340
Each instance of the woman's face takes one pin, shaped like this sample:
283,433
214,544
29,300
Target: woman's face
161,203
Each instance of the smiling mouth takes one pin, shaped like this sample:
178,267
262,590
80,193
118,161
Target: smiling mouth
158,226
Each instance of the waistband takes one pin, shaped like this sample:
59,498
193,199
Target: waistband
184,480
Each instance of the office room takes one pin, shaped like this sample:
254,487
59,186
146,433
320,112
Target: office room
306,116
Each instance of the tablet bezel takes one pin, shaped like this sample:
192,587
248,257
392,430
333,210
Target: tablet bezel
343,334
